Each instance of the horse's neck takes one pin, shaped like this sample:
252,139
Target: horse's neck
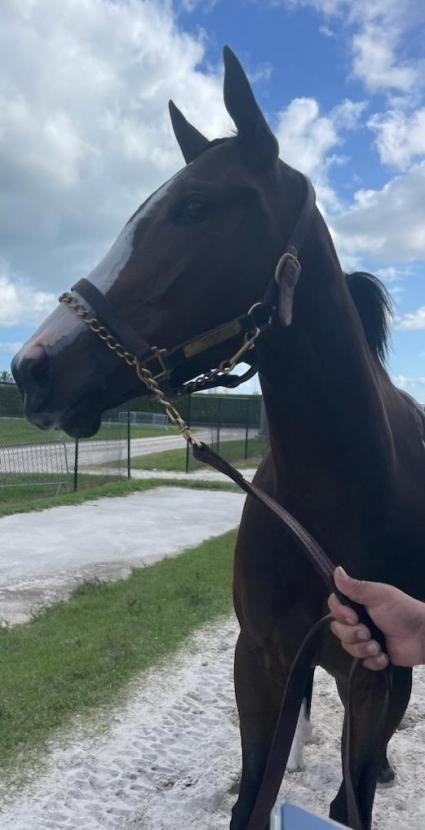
323,390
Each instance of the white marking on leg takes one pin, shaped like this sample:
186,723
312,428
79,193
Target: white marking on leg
302,732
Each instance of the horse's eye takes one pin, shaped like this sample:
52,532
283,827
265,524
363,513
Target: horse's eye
192,210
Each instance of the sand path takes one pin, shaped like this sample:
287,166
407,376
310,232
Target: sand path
168,757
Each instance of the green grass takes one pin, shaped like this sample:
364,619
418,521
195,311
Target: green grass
78,655
174,460
94,487
16,431
24,490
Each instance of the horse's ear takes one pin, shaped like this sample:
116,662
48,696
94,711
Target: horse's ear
191,142
240,103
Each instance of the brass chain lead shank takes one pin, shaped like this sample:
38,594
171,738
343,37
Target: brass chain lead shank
146,377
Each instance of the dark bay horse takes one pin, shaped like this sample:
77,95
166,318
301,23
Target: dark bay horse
346,456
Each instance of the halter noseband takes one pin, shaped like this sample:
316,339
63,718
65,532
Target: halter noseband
168,364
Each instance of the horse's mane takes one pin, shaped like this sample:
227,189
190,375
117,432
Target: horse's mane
374,307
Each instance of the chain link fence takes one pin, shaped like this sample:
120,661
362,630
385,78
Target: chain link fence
134,441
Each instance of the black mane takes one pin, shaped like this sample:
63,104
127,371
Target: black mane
374,307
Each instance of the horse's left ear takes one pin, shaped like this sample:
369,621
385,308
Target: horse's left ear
243,108
191,142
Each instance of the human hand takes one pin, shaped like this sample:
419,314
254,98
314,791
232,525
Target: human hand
400,617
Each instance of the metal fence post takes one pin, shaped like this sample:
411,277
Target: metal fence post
188,421
77,444
220,401
128,444
246,429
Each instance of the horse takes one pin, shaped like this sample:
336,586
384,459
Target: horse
346,453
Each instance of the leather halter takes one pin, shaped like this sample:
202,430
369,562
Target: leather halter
177,364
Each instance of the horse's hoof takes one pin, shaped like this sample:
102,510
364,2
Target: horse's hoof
235,787
295,766
386,777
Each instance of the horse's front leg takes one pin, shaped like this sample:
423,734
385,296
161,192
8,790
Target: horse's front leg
258,698
369,738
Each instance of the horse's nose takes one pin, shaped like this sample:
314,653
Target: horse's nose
32,372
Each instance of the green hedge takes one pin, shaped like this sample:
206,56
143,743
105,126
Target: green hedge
11,404
204,409
208,409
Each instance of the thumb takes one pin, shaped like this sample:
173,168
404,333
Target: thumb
357,589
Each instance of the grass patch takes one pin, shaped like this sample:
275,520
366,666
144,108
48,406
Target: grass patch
25,491
96,487
175,460
18,431
77,655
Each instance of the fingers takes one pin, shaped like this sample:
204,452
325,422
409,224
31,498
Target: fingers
356,641
341,612
377,663
354,637
351,634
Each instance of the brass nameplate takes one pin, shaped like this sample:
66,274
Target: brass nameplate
212,338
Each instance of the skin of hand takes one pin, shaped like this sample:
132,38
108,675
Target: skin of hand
400,617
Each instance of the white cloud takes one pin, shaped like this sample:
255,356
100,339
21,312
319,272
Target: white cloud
10,347
375,61
304,135
306,138
400,136
85,136
84,127
20,303
191,5
379,29
390,274
414,320
262,72
414,385
387,225
326,31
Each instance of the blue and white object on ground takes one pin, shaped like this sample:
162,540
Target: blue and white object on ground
286,816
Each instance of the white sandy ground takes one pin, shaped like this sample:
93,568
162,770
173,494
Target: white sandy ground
45,554
167,758
197,475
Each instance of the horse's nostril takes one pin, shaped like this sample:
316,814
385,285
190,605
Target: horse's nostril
33,374
40,370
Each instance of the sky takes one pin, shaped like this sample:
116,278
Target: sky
85,134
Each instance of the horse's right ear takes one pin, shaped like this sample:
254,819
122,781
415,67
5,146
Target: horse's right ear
253,130
191,142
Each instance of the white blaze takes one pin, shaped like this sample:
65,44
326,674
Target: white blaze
107,272
63,323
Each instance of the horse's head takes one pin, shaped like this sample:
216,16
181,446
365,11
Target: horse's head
199,252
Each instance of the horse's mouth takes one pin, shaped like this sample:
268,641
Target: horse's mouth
82,420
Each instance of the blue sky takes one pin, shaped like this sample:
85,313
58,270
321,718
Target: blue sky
84,135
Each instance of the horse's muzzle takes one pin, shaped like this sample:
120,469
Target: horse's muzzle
32,370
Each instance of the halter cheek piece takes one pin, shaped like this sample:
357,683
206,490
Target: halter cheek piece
173,365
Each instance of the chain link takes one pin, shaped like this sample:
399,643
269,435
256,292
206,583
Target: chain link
146,377
225,367
143,373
